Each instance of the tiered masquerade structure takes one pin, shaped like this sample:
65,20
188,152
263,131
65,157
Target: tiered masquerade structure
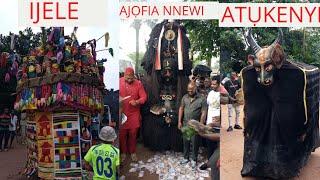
60,85
167,64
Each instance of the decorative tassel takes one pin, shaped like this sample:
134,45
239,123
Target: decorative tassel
158,51
59,91
180,50
59,57
106,39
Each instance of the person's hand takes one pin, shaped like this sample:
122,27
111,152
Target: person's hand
133,103
168,120
202,129
179,125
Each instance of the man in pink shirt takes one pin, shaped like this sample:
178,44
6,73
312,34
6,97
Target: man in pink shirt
134,96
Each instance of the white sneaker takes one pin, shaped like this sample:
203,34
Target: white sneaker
193,164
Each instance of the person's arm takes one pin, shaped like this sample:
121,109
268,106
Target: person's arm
180,113
223,90
204,109
212,137
180,117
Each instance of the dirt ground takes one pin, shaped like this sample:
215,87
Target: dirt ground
12,162
232,153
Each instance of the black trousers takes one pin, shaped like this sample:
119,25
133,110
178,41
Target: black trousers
4,137
194,143
12,135
211,147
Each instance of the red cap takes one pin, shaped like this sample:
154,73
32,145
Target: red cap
129,71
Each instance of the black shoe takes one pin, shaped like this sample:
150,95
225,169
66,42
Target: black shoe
230,129
204,166
237,126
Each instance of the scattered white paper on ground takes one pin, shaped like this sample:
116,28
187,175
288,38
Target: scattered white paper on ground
167,166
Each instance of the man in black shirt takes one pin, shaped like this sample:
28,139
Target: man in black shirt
232,86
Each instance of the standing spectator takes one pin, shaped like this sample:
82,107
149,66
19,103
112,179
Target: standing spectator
214,160
104,157
213,101
133,92
13,127
232,86
193,106
4,129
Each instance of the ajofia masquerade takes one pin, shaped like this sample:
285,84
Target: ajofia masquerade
267,59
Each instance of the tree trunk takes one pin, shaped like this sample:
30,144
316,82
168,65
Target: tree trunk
137,50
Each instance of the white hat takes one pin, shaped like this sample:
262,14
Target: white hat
108,134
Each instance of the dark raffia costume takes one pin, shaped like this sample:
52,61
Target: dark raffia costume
168,66
282,120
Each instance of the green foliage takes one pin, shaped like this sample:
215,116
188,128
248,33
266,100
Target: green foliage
132,56
24,41
188,132
203,35
299,45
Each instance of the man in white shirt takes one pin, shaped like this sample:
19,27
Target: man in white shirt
213,116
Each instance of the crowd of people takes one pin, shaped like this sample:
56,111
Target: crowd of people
202,103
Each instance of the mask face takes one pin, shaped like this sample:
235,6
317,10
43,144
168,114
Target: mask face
264,72
168,71
267,59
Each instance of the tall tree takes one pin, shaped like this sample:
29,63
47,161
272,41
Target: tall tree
133,57
137,25
203,35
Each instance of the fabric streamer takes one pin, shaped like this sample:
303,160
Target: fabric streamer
180,50
158,51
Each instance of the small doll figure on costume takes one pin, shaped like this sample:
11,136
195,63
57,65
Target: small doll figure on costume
55,66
